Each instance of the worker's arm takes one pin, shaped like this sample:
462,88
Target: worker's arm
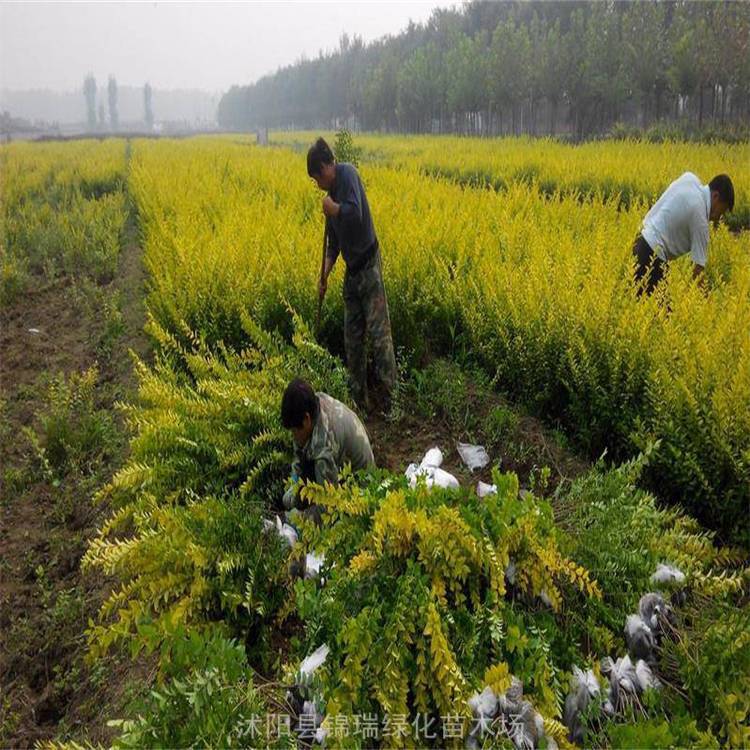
349,209
330,207
699,242
700,276
326,469
291,493
699,248
296,465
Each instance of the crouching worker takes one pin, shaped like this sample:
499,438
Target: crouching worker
327,436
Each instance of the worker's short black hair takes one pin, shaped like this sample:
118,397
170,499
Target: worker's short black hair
723,186
319,154
299,399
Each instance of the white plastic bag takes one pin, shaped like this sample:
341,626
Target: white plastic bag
414,472
522,727
668,574
645,677
411,471
433,476
484,703
585,682
474,456
433,457
640,638
484,489
286,532
584,688
623,678
313,564
313,661
310,710
444,479
654,610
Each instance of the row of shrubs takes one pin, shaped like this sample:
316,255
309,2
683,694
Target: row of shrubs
63,212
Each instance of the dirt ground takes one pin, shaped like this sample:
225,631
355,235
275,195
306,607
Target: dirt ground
45,601
531,447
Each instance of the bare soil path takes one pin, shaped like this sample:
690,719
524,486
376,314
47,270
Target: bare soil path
46,689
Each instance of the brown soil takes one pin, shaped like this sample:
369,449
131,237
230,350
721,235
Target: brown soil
528,449
46,690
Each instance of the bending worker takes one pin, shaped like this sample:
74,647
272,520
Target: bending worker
678,224
327,436
351,232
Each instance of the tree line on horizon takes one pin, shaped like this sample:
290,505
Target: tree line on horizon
89,93
491,68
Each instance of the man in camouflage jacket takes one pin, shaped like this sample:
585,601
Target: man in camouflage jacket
351,233
327,436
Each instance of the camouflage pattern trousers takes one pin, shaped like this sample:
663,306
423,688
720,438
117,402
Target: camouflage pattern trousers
366,312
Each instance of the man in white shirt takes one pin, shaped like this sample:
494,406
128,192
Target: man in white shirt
678,224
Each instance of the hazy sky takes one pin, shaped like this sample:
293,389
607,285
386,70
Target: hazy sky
206,45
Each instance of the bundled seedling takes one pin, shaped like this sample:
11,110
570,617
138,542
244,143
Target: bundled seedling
416,608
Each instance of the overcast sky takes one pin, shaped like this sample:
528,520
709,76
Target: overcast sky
205,45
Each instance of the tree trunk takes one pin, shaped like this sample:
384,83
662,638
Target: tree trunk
713,102
552,113
700,106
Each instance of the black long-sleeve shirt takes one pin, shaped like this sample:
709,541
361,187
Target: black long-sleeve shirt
352,231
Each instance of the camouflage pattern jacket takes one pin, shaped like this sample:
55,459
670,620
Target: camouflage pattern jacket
338,438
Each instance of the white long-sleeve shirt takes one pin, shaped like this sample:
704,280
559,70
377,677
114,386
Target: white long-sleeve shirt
678,222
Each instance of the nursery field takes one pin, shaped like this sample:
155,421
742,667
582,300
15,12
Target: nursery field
616,169
598,595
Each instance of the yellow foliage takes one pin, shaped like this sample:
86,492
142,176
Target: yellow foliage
363,562
498,677
449,688
637,166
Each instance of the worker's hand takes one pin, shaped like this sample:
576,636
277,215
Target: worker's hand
330,207
699,274
322,287
290,497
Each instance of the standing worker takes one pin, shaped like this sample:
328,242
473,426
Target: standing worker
678,224
350,231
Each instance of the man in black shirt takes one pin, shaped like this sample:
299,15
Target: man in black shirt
351,233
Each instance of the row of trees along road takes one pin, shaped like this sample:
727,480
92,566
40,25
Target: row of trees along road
89,93
512,67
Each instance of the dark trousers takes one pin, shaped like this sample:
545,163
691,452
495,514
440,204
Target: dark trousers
647,265
366,313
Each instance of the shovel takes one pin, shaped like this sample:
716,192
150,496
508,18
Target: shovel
322,271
